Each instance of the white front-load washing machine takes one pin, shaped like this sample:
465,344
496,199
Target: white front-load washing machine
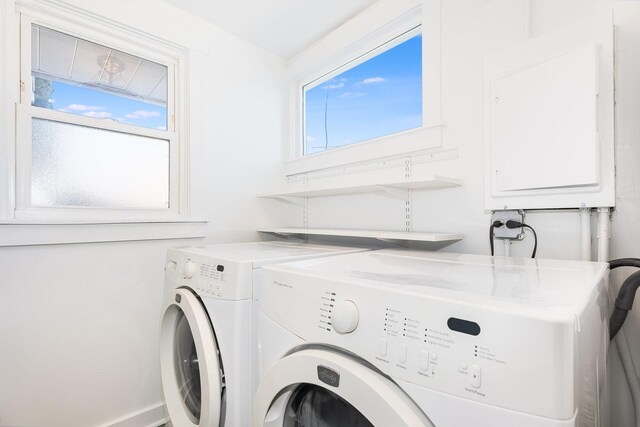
207,330
418,339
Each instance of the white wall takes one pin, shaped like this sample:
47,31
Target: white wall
548,14
471,30
79,323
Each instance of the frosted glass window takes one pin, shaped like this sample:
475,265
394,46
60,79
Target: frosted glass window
374,98
79,166
80,77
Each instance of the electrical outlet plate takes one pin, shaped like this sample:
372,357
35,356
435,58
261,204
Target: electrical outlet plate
504,232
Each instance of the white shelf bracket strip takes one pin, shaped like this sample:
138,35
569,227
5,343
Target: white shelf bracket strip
298,201
407,213
408,172
305,213
394,192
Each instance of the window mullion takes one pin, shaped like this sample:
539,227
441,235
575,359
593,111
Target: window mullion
58,116
25,64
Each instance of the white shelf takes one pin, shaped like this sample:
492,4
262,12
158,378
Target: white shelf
431,183
372,234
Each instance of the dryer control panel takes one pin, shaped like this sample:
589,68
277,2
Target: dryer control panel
539,361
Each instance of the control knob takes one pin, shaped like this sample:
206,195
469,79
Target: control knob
345,317
189,269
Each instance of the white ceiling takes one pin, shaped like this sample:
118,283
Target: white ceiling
284,27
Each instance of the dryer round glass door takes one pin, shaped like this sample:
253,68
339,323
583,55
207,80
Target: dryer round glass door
189,362
312,405
325,388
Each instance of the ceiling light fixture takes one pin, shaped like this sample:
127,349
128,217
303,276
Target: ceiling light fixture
112,67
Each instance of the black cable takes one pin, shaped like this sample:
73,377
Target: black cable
515,224
491,238
494,224
535,240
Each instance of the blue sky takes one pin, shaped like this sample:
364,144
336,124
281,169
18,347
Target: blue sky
87,102
378,97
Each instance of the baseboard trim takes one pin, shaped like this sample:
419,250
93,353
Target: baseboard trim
152,416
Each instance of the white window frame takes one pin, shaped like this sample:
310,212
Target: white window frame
395,21
129,41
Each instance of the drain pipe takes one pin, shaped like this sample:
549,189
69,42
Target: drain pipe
629,370
603,234
585,227
507,247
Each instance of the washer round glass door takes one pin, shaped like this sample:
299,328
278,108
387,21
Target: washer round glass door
323,388
191,376
187,367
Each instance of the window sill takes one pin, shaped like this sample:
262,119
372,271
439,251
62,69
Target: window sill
402,143
33,233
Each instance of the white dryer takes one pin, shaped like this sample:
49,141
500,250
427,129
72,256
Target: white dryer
207,336
421,339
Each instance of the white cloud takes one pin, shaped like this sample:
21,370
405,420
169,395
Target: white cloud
98,114
311,138
336,86
352,94
51,101
81,107
372,80
142,114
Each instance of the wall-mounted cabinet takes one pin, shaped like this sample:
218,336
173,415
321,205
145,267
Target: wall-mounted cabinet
549,135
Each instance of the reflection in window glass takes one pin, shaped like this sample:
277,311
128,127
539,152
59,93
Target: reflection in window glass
378,97
84,78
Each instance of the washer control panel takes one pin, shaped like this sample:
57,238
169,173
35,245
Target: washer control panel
208,276
211,281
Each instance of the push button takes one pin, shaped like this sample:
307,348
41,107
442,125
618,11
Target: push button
424,360
475,375
382,347
403,353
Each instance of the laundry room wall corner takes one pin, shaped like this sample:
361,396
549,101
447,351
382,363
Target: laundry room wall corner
81,322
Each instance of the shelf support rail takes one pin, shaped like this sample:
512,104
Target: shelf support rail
407,204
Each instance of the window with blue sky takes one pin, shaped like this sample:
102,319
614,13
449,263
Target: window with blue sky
80,77
375,98
103,105
95,159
